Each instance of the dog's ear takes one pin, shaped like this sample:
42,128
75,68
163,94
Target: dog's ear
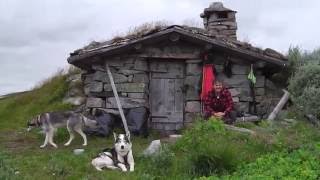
115,136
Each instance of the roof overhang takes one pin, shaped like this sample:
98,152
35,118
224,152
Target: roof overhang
85,59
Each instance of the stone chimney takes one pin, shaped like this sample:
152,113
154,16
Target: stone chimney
220,21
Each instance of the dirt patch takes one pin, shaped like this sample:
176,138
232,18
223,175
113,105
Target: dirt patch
16,141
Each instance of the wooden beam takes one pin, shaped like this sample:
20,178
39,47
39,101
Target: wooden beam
279,106
170,55
260,64
242,130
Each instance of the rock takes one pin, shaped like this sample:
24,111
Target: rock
94,86
78,151
126,102
191,117
128,87
193,106
193,69
140,78
192,87
141,64
95,102
75,100
74,77
153,148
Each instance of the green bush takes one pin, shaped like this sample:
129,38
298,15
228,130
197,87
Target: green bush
305,89
209,149
299,164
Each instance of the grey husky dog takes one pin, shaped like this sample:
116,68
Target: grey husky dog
119,157
50,121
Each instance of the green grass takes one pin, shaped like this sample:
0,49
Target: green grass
15,111
206,149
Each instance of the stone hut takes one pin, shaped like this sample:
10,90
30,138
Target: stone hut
161,69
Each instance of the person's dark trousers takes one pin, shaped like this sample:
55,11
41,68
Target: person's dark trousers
230,118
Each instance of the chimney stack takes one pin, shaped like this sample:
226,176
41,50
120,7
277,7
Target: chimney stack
219,21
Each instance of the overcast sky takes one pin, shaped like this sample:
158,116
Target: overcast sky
36,36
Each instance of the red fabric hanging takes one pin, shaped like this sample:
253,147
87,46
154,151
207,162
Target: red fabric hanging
208,78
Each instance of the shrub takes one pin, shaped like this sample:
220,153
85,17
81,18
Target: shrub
305,89
210,149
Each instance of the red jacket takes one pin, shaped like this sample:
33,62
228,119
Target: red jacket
218,103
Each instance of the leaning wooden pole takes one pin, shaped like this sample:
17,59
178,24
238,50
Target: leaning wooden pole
115,93
280,105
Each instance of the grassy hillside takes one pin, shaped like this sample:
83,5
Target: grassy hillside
17,109
284,149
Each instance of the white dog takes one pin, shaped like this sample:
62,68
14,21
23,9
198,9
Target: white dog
119,157
49,122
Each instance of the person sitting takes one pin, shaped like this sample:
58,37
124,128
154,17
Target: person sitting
218,103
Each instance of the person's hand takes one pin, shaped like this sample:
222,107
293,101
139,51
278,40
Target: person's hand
219,114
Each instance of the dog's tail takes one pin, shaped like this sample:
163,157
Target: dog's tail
89,122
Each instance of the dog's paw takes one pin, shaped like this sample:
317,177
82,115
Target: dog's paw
98,168
42,146
54,145
84,144
66,144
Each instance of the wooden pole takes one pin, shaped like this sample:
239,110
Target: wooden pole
238,129
279,106
115,93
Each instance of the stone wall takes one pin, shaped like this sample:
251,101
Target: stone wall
192,90
130,77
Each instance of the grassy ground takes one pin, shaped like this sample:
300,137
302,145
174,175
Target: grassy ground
206,150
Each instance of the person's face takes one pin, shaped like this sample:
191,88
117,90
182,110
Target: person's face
218,87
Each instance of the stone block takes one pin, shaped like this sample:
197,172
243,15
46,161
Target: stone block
191,117
129,72
88,78
126,102
94,86
241,106
158,67
259,91
100,76
130,78
240,69
115,62
103,77
240,80
141,78
128,87
95,102
74,100
235,99
137,95
193,69
193,107
192,87
194,61
141,64
234,91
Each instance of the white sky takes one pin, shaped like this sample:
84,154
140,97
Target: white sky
36,36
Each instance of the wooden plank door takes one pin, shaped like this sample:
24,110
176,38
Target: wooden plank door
166,95
167,100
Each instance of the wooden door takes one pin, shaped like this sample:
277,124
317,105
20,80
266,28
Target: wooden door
166,96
